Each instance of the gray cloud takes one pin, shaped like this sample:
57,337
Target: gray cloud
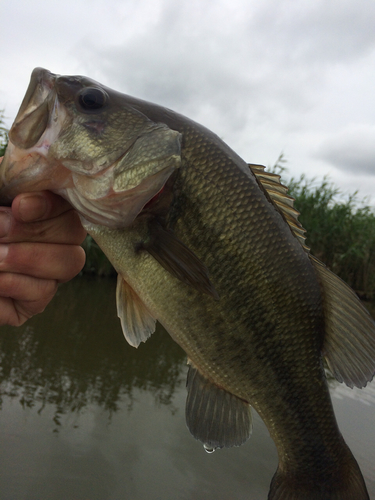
351,150
266,76
319,31
207,58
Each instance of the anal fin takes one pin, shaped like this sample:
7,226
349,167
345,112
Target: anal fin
214,416
136,321
349,345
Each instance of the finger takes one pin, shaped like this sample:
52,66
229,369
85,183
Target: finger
65,228
23,296
41,205
42,260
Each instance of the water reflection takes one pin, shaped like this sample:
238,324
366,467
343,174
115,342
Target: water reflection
86,417
74,354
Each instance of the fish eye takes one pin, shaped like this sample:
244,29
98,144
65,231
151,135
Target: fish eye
92,99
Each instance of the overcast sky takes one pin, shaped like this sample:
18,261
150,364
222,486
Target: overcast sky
268,76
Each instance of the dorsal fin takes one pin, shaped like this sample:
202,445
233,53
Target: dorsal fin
349,345
278,194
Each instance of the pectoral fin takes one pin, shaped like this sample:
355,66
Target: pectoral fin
349,345
136,321
214,416
178,259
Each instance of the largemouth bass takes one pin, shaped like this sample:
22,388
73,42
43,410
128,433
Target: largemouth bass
211,247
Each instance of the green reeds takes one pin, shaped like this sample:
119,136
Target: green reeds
3,135
340,230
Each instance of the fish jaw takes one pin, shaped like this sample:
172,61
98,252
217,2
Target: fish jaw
27,165
29,171
32,118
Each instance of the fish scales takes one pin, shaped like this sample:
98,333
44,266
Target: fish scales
248,322
212,249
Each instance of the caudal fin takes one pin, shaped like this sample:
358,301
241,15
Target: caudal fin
349,486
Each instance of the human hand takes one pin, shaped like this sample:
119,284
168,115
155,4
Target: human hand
39,248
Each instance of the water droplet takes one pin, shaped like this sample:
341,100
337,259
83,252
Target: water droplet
208,448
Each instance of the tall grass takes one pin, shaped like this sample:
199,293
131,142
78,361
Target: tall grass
3,135
341,233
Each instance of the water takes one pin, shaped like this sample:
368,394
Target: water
84,416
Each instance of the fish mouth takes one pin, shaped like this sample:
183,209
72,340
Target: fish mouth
36,126
33,116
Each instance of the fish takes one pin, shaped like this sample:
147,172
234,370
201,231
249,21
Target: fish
211,247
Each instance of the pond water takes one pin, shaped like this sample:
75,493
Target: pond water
84,416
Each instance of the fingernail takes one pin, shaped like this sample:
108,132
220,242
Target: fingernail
4,224
3,252
32,207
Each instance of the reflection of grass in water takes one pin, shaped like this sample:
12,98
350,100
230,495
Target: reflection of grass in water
74,354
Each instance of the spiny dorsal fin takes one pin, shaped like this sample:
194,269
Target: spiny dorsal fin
278,194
